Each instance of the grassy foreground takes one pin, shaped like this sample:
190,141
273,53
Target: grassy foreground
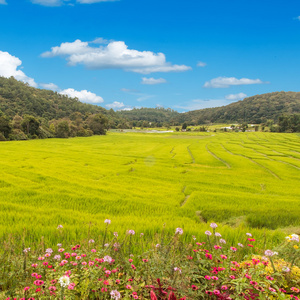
141,181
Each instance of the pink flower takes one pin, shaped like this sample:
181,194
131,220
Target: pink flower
179,231
216,292
26,288
128,287
224,287
223,256
107,221
213,225
233,249
93,250
232,276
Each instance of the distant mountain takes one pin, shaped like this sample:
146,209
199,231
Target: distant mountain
256,109
154,115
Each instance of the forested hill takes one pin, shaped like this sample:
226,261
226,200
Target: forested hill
17,98
257,109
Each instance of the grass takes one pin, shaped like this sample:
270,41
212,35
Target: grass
143,180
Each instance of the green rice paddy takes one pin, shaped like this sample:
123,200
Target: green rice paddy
248,181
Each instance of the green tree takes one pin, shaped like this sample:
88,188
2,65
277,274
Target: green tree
98,123
62,129
30,125
5,126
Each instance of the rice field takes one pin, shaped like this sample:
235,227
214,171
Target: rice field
243,181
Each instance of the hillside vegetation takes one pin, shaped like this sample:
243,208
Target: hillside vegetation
255,110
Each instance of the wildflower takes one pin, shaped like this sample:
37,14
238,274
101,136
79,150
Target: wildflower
286,269
240,245
269,253
59,226
177,270
128,286
218,234
294,289
214,278
233,249
157,245
141,234
41,258
61,250
209,256
223,256
26,288
118,281
194,288
91,241
217,247
115,295
71,286
107,221
272,290
106,245
216,292
132,232
145,260
64,281
222,241
26,250
49,250
179,231
249,234
59,245
213,225
116,234
34,265
207,277
78,257
57,257
232,277
269,277
107,258
208,233
224,287
249,245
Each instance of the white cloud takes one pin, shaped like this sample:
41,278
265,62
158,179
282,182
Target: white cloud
83,96
239,96
49,86
62,2
298,18
118,106
48,2
144,97
9,67
153,81
3,2
94,1
225,82
115,105
201,64
115,55
130,91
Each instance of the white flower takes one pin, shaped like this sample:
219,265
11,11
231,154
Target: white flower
207,232
240,245
249,234
213,225
275,253
132,232
57,257
116,234
177,270
295,237
107,259
107,221
218,234
141,234
64,281
179,231
106,245
115,295
269,253
59,245
222,241
26,250
194,238
116,245
59,226
157,245
91,241
49,250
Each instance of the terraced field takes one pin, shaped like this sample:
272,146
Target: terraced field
141,181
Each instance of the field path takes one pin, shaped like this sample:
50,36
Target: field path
218,158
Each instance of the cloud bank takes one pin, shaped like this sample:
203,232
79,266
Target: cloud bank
83,96
226,82
239,96
9,65
114,55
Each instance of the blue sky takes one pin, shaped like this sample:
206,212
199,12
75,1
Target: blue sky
122,54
